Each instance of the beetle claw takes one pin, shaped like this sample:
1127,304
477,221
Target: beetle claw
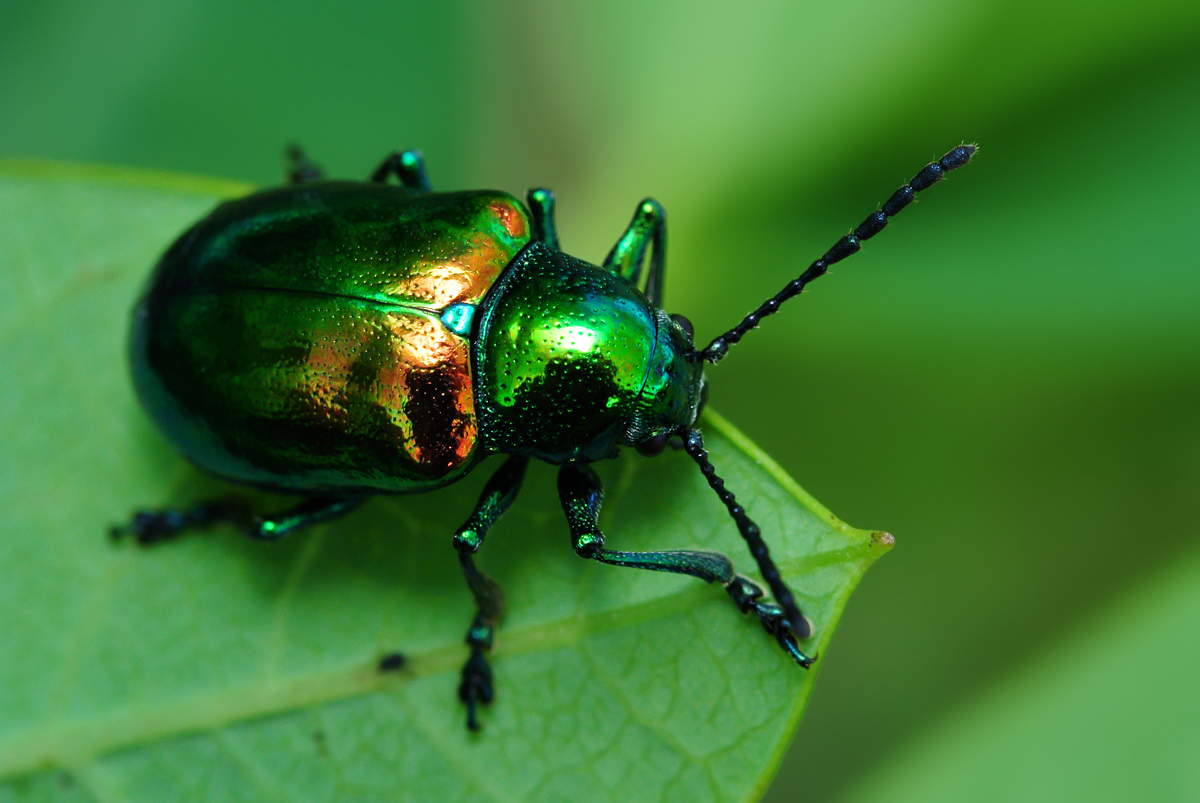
783,634
776,624
749,597
476,687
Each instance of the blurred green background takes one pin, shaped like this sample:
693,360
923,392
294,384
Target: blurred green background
1007,379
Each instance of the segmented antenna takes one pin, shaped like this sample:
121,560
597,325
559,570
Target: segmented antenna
693,444
930,174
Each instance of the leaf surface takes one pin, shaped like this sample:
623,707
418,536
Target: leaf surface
216,668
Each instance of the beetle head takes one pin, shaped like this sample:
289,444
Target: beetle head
674,391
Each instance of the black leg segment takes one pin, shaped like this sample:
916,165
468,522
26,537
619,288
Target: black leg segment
581,493
152,526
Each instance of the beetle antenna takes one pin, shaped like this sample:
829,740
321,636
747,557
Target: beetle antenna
930,174
693,444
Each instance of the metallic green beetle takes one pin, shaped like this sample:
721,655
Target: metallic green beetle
339,340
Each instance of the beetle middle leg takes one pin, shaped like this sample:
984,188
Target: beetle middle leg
581,493
476,687
407,166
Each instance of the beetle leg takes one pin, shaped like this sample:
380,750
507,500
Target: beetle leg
152,526
313,510
300,168
647,229
581,493
476,687
541,207
407,166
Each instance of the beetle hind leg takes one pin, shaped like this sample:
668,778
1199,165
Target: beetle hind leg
153,526
581,492
476,687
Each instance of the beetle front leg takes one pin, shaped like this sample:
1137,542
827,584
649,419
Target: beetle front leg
648,229
581,493
476,687
407,166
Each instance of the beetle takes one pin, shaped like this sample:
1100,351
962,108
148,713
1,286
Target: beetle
339,340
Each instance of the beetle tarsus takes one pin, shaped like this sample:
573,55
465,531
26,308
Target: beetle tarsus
777,626
154,526
748,597
499,493
476,687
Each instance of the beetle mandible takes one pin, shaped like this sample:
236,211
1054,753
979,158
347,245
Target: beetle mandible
340,340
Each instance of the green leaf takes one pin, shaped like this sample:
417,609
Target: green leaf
216,668
1109,714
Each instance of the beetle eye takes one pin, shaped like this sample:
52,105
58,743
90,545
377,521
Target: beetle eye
655,445
685,325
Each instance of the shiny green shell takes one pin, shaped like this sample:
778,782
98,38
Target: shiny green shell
316,338
572,361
